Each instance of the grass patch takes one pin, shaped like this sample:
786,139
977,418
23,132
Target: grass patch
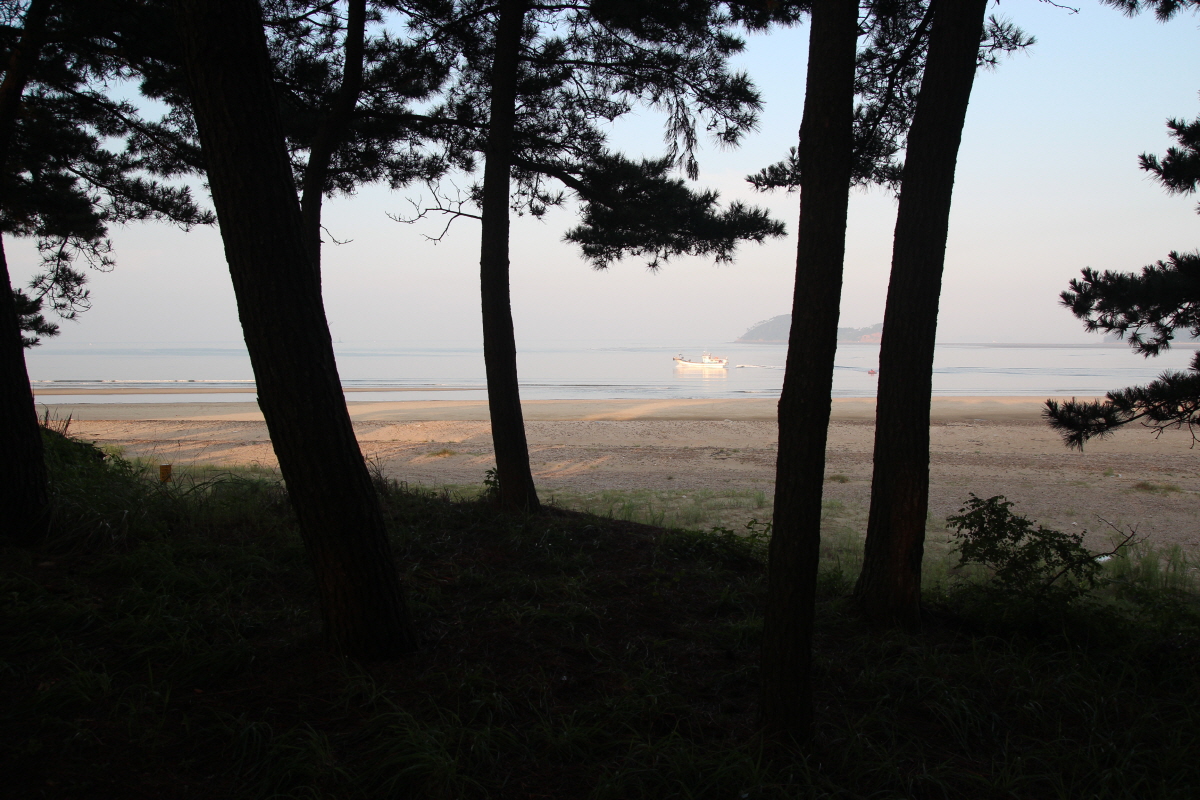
671,508
1156,488
188,476
567,655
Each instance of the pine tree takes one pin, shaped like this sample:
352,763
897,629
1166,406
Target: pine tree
840,144
887,79
887,75
1163,9
825,158
345,89
347,97
889,585
32,321
1149,307
62,184
23,491
537,83
279,302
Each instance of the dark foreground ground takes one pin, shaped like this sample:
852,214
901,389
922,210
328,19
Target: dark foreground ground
164,647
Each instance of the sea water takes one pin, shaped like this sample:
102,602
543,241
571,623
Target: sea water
381,371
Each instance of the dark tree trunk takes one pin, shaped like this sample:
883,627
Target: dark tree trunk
517,492
826,144
24,496
23,491
332,128
889,586
283,320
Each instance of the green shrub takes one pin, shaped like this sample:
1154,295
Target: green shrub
1024,559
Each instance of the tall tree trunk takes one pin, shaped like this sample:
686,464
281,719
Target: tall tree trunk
517,492
889,586
826,145
332,128
283,320
24,496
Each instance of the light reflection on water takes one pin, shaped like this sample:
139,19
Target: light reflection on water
390,372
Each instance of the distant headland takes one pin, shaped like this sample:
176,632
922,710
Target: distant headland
775,331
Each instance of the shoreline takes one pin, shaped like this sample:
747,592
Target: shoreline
50,391
844,409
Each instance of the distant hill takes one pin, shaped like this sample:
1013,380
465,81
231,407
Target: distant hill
775,331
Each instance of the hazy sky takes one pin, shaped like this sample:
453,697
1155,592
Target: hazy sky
1047,184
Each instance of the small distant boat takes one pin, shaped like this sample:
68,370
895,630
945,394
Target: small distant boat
871,372
706,360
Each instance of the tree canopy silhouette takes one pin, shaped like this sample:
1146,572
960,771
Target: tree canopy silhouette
1147,308
69,167
887,80
33,322
535,86
349,85
347,81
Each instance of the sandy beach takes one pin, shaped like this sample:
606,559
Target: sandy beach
985,445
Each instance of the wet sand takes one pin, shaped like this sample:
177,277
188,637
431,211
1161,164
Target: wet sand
944,409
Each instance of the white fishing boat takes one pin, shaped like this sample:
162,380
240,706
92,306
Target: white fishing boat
706,360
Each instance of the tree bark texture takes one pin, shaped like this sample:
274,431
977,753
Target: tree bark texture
333,127
283,319
24,495
826,145
517,491
889,586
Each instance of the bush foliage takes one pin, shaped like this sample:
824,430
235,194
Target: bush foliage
1023,559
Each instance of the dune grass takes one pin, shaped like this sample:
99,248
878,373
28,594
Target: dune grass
673,508
164,644
1156,488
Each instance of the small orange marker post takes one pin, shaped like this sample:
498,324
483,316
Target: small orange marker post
164,473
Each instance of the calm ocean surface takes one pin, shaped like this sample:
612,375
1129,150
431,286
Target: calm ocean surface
389,372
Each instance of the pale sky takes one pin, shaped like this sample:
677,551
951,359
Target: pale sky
1047,184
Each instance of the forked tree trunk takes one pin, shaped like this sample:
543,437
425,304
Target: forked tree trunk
24,496
517,492
826,145
889,586
283,319
332,128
